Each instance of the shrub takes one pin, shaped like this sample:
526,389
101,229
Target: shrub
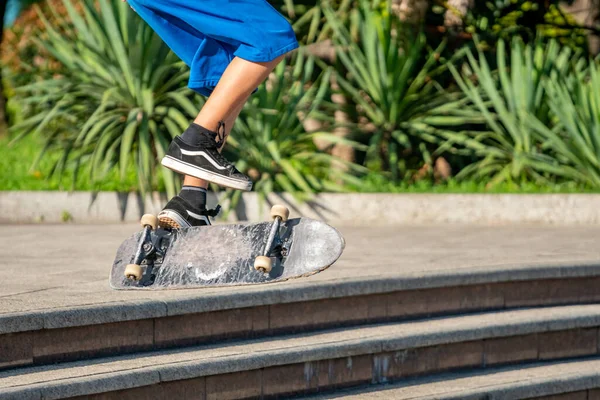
389,74
505,147
119,98
270,141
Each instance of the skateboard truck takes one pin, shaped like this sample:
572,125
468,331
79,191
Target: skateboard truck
145,248
264,263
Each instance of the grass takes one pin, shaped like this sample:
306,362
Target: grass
16,174
16,171
377,183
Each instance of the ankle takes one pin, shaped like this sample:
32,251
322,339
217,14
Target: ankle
197,135
196,196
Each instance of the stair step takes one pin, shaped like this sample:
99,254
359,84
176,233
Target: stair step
564,380
63,310
70,334
302,363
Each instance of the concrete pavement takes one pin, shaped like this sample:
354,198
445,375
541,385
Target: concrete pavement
55,267
462,282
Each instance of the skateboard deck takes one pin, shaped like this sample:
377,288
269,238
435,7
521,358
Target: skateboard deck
224,255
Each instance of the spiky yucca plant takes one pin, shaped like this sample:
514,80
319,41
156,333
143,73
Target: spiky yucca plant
119,99
575,139
388,73
270,141
506,148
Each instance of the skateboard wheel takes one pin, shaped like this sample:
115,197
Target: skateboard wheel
133,272
149,220
263,264
280,211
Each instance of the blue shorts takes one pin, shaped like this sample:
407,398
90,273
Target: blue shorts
208,34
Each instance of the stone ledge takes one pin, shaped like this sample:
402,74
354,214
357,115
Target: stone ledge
348,209
293,293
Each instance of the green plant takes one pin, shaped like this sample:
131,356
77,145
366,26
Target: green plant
270,140
575,139
66,216
376,183
121,95
507,99
530,20
388,73
312,25
308,19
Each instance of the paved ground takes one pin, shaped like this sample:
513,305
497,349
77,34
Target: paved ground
54,266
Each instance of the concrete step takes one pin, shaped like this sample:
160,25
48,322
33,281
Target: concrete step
321,361
184,318
56,305
563,380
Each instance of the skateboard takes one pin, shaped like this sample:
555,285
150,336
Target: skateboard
225,255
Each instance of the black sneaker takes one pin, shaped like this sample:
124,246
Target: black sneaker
178,213
205,162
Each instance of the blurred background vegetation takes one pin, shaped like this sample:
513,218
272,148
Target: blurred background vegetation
383,96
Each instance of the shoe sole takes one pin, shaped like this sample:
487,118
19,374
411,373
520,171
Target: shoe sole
169,219
191,170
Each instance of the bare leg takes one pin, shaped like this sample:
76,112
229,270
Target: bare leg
231,93
237,83
171,217
229,121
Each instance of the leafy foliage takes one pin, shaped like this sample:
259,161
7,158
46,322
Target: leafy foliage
271,143
388,72
106,94
19,53
575,140
119,99
530,20
508,99
308,18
